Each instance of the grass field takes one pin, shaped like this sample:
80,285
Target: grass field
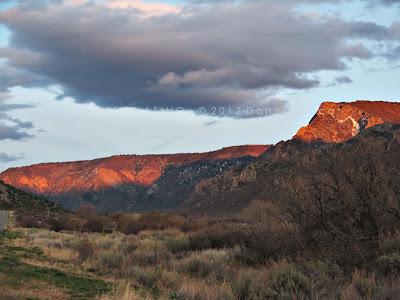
41,264
257,255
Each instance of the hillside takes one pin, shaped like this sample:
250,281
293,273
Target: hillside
129,182
12,198
363,167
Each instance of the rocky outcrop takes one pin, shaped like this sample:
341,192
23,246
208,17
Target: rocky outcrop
338,122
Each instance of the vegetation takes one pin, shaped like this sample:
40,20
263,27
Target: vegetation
263,253
26,273
12,198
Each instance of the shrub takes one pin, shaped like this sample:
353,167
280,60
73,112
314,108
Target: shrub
262,212
325,277
144,278
389,263
28,221
390,243
151,257
110,260
130,225
250,284
365,285
286,280
85,250
178,244
210,263
74,223
264,244
57,224
219,236
94,224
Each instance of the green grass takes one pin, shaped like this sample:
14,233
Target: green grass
18,273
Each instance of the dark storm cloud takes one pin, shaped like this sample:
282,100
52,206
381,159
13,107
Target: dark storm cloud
225,53
4,157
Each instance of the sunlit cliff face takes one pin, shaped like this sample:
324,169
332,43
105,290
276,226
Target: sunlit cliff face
338,122
95,175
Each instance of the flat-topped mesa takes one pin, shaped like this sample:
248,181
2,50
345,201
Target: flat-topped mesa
51,179
339,122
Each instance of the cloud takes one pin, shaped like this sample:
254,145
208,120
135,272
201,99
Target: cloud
12,128
4,157
136,54
383,2
394,54
14,132
341,80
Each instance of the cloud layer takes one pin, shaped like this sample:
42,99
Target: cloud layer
4,157
224,53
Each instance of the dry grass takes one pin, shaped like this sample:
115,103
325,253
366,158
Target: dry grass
33,290
199,290
160,264
124,292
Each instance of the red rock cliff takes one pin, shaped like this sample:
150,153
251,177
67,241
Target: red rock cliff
338,122
57,178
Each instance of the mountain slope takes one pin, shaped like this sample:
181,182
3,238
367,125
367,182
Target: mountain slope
310,173
127,182
94,175
12,198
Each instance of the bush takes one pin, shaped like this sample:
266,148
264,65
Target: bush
250,284
287,281
57,224
144,278
206,264
85,250
390,243
178,244
365,285
154,221
326,277
219,236
94,224
28,221
110,260
389,263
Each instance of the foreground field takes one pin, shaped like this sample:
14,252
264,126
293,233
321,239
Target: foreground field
338,249
159,264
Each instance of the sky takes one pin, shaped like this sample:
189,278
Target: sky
84,79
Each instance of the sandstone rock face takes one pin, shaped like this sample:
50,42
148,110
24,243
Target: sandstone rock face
51,179
338,122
